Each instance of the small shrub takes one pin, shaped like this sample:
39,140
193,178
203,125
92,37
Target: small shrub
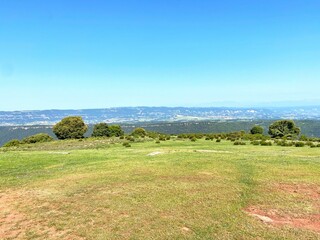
303,138
239,143
157,141
284,143
266,143
289,144
218,140
38,138
193,139
126,144
255,143
309,143
299,144
130,138
12,143
162,138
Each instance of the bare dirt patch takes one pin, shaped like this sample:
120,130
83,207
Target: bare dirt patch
275,218
211,151
300,191
15,224
309,191
154,153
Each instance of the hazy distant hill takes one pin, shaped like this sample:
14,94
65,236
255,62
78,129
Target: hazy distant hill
152,114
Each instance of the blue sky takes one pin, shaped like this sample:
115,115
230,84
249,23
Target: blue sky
95,54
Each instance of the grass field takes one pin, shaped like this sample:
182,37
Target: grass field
183,190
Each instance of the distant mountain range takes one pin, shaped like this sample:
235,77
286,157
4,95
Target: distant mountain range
157,114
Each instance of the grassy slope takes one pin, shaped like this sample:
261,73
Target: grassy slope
112,192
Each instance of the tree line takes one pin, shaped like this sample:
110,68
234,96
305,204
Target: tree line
73,127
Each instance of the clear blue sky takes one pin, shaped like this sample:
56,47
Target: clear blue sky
94,54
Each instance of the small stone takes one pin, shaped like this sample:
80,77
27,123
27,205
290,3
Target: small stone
185,229
264,219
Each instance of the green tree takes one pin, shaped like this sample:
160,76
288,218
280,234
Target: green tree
284,128
256,130
139,132
70,128
104,130
116,131
101,130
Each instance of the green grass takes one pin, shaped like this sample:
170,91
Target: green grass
106,191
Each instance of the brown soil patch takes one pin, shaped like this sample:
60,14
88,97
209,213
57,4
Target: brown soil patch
14,224
273,217
305,190
308,192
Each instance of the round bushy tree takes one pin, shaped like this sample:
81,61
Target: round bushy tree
104,130
256,130
101,130
70,128
139,132
116,131
284,128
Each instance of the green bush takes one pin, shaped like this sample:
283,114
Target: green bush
130,138
104,130
255,143
115,131
266,143
299,144
70,128
139,132
101,130
309,143
162,138
256,130
12,143
239,143
218,140
303,138
37,138
313,145
283,143
289,144
126,144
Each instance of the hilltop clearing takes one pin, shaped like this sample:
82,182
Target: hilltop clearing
176,189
